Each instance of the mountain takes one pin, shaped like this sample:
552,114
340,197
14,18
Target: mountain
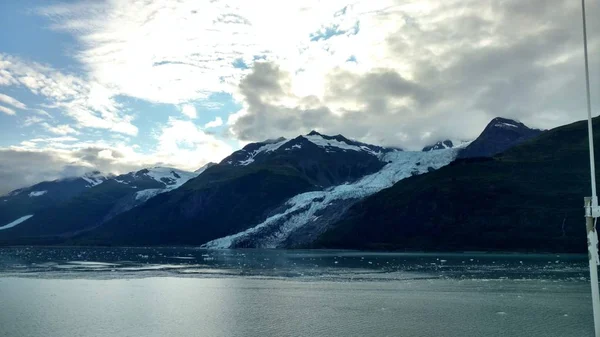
302,218
203,168
528,198
499,135
446,144
101,199
243,190
30,200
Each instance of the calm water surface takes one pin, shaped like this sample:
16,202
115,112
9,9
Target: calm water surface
192,292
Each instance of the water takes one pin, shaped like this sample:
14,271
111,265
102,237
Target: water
191,292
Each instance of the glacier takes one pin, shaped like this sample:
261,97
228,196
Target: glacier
303,209
16,222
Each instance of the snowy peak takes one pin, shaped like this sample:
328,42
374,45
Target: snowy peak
94,178
446,144
499,135
339,142
247,155
170,177
313,141
505,123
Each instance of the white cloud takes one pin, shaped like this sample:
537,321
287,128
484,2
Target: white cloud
218,121
63,129
185,145
7,111
12,101
189,111
42,113
181,144
89,103
175,52
31,120
184,51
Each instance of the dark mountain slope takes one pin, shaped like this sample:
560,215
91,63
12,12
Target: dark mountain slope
527,198
499,135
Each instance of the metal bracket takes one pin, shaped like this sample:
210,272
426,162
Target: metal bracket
592,209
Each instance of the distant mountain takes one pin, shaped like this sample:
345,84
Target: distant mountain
203,168
446,144
46,194
499,135
242,191
528,198
98,199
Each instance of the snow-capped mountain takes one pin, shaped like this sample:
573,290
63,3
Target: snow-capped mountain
171,178
245,188
305,216
499,135
29,200
275,193
264,151
98,199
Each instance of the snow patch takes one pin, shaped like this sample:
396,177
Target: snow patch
37,193
16,222
302,208
94,179
171,177
503,125
269,147
295,146
322,142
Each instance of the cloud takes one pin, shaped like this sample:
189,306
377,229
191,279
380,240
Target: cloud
7,111
11,101
24,167
63,129
177,52
426,71
32,120
393,72
218,121
89,103
185,145
189,111
180,144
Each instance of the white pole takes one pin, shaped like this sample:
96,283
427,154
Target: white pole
591,204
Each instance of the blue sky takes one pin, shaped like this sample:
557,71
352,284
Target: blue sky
121,85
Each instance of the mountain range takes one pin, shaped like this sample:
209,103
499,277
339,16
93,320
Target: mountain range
506,190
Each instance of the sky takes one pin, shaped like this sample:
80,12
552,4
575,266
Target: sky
120,85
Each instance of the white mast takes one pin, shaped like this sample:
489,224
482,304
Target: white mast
592,211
